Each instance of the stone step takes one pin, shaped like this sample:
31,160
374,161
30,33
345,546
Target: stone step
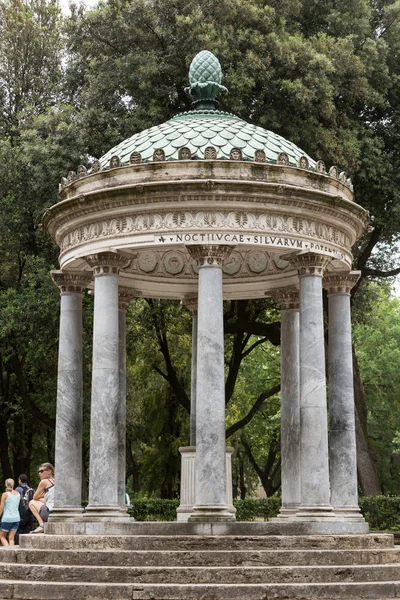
28,590
205,542
172,558
200,575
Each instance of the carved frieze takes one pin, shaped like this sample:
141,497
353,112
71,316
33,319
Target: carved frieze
262,221
180,264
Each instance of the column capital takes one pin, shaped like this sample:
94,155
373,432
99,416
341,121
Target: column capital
191,303
341,283
125,295
209,255
310,264
288,298
106,263
71,282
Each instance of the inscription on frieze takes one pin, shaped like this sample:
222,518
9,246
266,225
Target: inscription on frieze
262,240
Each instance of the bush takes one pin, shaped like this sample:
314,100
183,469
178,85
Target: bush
252,509
156,509
381,512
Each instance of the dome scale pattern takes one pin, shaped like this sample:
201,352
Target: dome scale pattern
200,129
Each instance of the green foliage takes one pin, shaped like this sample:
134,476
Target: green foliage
381,512
324,74
257,509
156,509
377,340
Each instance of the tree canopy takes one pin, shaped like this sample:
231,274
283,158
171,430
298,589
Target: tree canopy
325,75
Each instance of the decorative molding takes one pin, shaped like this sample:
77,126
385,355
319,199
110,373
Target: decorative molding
125,295
115,162
341,283
191,303
106,263
334,172
310,264
158,155
260,156
96,166
287,298
311,198
209,256
184,154
283,159
69,282
184,221
135,158
239,265
210,153
236,154
303,162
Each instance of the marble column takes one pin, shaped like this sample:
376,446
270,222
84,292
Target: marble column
104,437
211,501
191,304
125,295
68,447
290,401
314,462
342,435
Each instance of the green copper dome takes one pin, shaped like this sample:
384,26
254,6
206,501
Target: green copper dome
205,132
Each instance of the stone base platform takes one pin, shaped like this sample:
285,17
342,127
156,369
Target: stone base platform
200,567
218,528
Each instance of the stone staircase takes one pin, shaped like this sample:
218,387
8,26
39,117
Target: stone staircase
200,567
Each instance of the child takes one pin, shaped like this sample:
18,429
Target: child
10,514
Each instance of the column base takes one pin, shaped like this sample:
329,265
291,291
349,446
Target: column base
351,513
285,513
211,514
188,483
315,513
106,513
65,514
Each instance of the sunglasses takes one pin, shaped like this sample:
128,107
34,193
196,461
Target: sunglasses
42,471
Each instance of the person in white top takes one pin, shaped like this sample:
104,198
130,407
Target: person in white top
44,495
9,509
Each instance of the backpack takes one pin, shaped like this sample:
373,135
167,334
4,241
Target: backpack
23,507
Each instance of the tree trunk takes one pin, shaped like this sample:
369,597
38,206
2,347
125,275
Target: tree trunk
366,457
4,455
242,485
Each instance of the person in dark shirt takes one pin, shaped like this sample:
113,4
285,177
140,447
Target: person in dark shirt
26,522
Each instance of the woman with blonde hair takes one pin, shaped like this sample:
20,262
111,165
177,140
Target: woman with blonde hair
9,509
44,495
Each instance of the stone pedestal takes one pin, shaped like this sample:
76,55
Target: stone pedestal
211,503
188,482
314,464
342,436
290,402
68,448
105,408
